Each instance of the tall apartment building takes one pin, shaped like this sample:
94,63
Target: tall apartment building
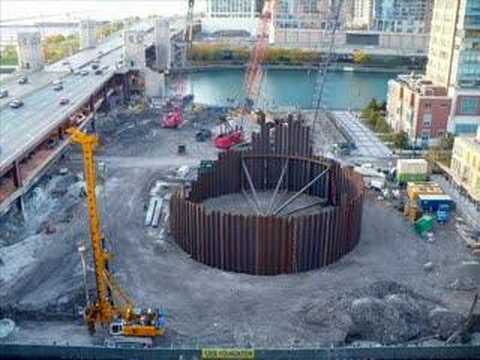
453,70
454,60
410,16
361,14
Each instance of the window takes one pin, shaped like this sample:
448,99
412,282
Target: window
427,120
469,106
427,106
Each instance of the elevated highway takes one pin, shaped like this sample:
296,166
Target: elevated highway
31,136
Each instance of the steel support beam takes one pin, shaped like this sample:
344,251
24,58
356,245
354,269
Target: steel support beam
277,187
17,175
252,186
300,192
321,202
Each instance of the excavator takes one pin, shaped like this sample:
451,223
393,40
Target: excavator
112,307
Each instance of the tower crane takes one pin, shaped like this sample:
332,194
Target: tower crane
112,307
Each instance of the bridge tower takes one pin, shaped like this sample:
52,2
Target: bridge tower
134,49
163,45
88,33
29,49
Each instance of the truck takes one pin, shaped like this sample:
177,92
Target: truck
443,213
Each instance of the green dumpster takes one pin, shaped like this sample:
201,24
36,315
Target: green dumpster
424,224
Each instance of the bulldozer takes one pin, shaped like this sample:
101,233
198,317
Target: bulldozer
112,308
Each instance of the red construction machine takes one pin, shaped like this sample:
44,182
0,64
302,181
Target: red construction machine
173,119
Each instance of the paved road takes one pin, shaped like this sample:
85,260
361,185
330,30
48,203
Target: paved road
36,81
368,144
20,128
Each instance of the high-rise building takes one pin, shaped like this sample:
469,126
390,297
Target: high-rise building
410,16
453,72
454,59
29,47
361,12
309,14
232,15
88,33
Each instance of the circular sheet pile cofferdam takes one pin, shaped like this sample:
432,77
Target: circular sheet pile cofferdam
273,208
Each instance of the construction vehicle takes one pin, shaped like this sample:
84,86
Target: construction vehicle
112,307
173,119
229,135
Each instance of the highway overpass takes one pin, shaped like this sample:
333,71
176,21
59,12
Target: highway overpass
32,136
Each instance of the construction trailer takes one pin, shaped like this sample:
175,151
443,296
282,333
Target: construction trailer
412,170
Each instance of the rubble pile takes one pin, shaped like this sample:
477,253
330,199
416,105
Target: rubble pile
386,313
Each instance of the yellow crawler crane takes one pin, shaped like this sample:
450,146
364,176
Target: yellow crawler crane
124,319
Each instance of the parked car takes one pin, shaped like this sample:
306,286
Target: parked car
57,82
84,72
64,100
66,62
58,87
98,72
3,93
22,80
94,66
15,103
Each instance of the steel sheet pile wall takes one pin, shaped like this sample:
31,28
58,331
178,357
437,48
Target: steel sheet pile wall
268,244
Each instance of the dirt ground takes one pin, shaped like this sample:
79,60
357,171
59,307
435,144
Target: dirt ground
41,283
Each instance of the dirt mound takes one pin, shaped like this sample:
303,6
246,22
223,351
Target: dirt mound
384,312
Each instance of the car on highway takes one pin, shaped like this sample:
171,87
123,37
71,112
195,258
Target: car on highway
22,80
3,93
84,72
15,103
64,100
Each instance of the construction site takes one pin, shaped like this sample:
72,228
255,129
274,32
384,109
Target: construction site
185,226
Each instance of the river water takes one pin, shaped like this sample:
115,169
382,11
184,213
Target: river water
283,89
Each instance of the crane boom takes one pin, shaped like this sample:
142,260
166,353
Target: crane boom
253,75
123,320
188,36
102,310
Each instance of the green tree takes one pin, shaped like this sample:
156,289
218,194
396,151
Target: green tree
400,140
8,56
56,47
361,57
